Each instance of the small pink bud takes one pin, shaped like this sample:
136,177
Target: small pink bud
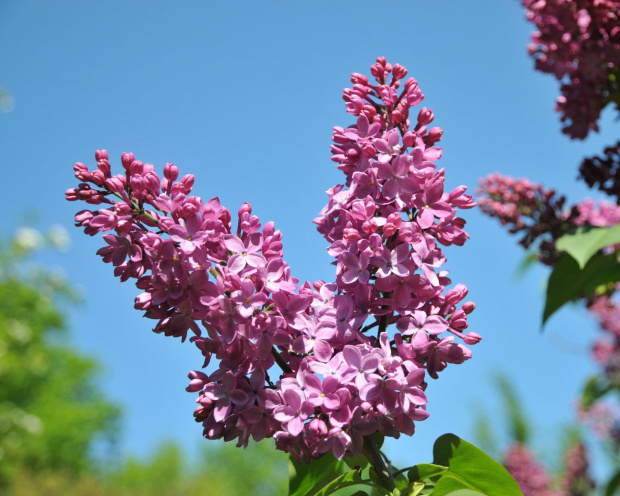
351,235
101,155
136,167
434,135
71,194
82,172
116,184
425,116
472,338
468,307
409,139
246,208
399,71
127,159
357,78
187,181
171,172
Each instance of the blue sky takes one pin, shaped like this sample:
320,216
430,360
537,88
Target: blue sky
244,95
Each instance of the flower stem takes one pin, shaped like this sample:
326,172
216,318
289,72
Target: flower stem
280,361
372,453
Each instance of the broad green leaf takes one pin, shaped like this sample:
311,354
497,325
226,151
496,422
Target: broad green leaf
306,479
568,282
356,461
351,478
378,438
413,489
449,485
594,389
424,471
464,492
586,241
470,467
401,481
614,485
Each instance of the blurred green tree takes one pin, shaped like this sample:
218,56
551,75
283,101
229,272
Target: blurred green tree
51,409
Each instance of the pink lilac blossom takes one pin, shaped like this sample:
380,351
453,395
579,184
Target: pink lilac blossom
603,418
539,213
576,480
527,208
578,41
531,476
352,355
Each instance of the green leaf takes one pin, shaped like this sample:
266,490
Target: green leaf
613,485
425,471
449,485
470,468
351,478
513,411
594,389
586,241
413,488
356,461
568,282
525,265
464,492
305,479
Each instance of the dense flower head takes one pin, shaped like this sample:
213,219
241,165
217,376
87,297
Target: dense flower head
578,41
529,473
540,214
352,355
576,480
603,418
603,172
526,208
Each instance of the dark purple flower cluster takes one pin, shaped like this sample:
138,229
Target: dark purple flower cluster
526,208
343,375
578,41
603,172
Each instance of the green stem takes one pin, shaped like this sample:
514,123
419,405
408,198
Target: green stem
372,453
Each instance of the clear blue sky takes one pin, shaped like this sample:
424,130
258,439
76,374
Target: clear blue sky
244,95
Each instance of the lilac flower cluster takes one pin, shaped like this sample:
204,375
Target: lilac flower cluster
603,171
531,476
603,418
540,213
526,208
534,480
578,41
577,480
342,374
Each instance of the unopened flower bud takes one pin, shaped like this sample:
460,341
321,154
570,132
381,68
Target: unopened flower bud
187,181
116,184
468,307
101,155
399,71
425,116
357,78
127,159
434,135
472,338
171,172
